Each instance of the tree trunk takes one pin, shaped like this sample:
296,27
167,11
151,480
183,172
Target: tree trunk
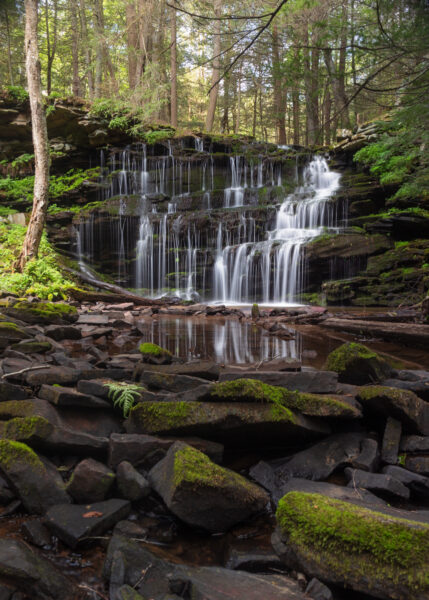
216,69
173,68
98,26
9,52
132,42
279,103
225,117
238,119
75,48
40,138
51,46
85,40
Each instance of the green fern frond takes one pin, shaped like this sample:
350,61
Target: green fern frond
124,395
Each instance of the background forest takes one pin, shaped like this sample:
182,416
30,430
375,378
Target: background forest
291,72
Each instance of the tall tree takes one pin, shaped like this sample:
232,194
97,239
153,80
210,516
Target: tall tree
51,42
40,138
76,91
217,4
278,85
173,68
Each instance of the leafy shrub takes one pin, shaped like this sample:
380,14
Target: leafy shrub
17,92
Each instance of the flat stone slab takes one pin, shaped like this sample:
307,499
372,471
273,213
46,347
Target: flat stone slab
73,523
321,382
63,396
235,422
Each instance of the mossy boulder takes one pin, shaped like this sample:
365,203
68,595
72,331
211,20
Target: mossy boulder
202,493
10,333
357,364
36,482
236,422
44,313
253,390
403,405
32,347
34,431
155,355
16,408
351,546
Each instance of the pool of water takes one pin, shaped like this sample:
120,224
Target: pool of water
232,342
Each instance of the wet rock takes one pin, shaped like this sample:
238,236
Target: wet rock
236,422
318,590
163,580
330,490
34,431
91,481
382,484
402,405
146,450
157,380
155,355
203,369
306,541
321,382
131,485
252,390
11,333
35,576
414,443
51,376
418,464
253,562
32,347
369,457
67,441
357,364
36,483
43,313
264,474
126,592
73,524
36,533
8,391
63,332
417,484
63,396
391,440
203,494
421,388
92,319
321,460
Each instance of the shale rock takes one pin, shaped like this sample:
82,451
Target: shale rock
391,440
382,484
91,481
131,485
36,483
237,422
73,524
357,364
402,405
321,382
350,546
35,576
43,312
157,380
155,355
202,493
204,369
417,484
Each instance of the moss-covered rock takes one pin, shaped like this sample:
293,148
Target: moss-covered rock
252,390
351,546
32,347
37,486
357,364
234,421
16,408
10,333
403,405
202,493
31,430
48,313
155,355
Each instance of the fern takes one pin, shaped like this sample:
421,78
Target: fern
124,395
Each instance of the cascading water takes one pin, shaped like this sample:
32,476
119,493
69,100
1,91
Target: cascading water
277,262
177,229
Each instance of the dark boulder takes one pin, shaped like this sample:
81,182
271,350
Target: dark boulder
379,483
91,481
202,493
130,483
391,440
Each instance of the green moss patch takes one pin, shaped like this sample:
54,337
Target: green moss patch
355,543
282,400
153,350
357,364
16,408
163,414
27,428
12,452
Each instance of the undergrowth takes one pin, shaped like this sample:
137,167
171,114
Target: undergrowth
124,395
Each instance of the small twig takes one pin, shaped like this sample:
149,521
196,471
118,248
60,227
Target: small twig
84,586
24,371
144,572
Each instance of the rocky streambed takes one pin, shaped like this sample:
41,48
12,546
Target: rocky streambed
128,472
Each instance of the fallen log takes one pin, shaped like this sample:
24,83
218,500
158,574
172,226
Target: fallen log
411,334
116,295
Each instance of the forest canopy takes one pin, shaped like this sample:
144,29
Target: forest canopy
291,71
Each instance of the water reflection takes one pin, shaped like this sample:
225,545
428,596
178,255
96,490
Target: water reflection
222,340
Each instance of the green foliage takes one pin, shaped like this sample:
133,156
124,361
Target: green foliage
153,137
400,156
18,93
124,395
41,277
153,350
22,189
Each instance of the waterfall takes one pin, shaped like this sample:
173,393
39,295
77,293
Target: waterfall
277,262
200,229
